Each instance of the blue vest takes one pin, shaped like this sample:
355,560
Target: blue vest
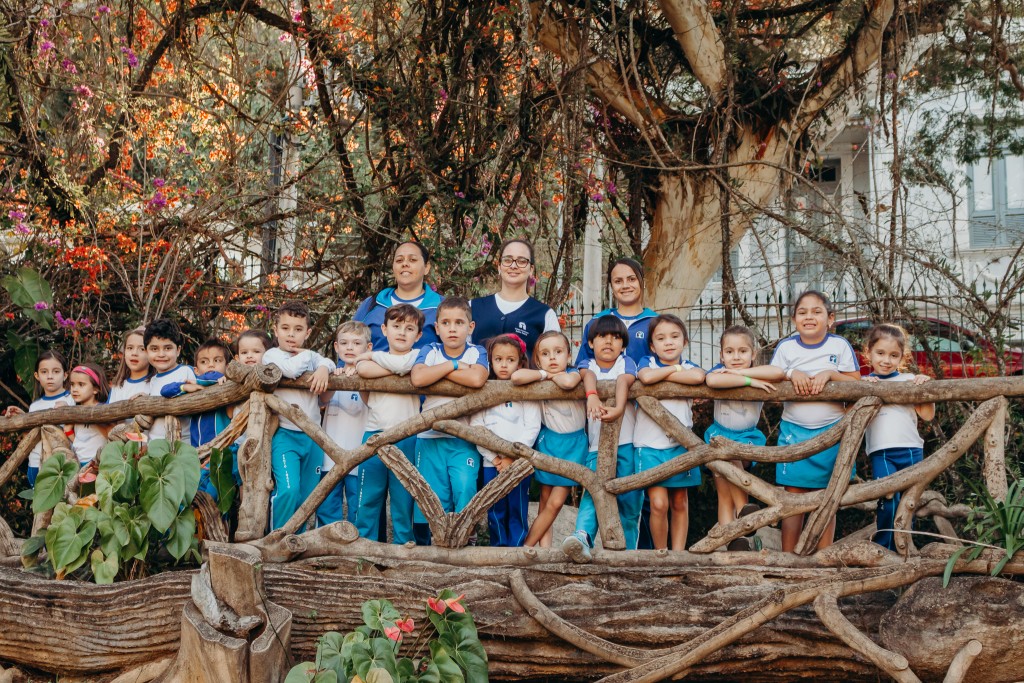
637,328
527,321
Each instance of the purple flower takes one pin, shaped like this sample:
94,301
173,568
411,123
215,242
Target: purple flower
44,22
23,229
460,195
45,46
103,9
297,17
83,91
133,61
16,215
443,94
891,76
41,306
611,188
157,201
84,322
261,308
158,182
597,197
69,66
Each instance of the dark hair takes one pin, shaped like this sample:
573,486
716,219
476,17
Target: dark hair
740,330
418,245
812,292
631,263
507,340
888,331
516,240
103,389
51,354
123,372
215,343
608,325
253,333
294,308
404,313
548,335
458,303
663,319
163,328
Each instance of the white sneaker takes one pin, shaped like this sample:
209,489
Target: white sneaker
577,548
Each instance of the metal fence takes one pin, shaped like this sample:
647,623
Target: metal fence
768,315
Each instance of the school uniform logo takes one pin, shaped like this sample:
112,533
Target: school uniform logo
640,334
521,329
834,359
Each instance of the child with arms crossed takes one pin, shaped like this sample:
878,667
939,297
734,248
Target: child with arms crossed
667,339
449,464
294,456
402,328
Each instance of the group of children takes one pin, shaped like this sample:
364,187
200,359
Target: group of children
566,429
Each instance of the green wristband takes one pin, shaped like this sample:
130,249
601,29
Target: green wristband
747,381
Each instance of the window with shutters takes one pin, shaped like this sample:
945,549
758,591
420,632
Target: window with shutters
995,197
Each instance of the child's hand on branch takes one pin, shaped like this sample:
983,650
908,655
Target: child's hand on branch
318,383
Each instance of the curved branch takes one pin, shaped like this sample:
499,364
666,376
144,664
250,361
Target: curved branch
696,33
957,671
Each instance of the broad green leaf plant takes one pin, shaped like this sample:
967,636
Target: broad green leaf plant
998,525
446,650
141,504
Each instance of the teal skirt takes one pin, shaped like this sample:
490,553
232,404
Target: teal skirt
572,447
814,471
649,458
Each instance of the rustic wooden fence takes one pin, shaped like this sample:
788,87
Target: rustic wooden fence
532,578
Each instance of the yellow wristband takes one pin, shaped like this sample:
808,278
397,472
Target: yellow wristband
679,367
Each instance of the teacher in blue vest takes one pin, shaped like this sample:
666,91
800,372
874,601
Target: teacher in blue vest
512,309
410,265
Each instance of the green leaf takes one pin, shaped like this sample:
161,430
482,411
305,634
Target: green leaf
329,652
432,674
187,459
163,489
181,534
950,564
104,569
301,673
25,357
470,656
107,486
325,677
378,676
377,653
117,457
54,476
377,612
64,545
448,670
406,669
28,288
30,550
114,534
223,479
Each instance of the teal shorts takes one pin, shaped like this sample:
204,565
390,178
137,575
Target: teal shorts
649,458
814,471
571,447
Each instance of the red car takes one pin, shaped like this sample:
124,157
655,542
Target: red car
961,353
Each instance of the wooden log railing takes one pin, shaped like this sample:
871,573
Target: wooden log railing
256,417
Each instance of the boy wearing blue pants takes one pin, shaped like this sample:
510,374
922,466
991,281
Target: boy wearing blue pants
403,326
295,458
449,464
344,421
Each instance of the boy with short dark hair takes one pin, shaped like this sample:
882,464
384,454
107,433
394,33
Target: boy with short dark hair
295,458
449,464
344,420
402,328
212,358
163,340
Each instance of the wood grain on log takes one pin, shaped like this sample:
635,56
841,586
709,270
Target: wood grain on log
255,471
20,454
994,467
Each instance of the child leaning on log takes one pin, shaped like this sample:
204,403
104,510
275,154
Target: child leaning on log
737,420
891,439
811,358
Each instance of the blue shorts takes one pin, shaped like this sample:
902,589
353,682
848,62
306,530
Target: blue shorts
814,471
450,466
649,458
571,447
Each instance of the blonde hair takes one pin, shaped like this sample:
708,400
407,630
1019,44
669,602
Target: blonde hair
353,327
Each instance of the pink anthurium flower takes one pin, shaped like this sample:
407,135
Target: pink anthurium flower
437,604
405,626
393,632
455,604
135,436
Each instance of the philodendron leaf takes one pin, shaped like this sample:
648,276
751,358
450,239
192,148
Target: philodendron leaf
163,489
53,478
181,533
103,569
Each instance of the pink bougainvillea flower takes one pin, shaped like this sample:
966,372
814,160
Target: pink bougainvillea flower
393,633
405,626
41,306
437,604
455,604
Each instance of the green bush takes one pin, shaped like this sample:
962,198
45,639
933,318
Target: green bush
447,650
140,505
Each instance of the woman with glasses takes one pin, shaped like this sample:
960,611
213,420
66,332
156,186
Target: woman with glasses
410,265
512,310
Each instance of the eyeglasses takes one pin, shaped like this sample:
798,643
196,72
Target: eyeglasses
521,262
